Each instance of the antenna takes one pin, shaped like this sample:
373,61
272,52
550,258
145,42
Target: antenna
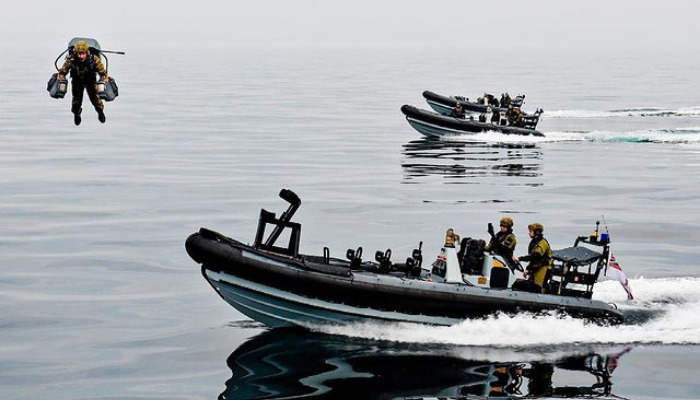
605,223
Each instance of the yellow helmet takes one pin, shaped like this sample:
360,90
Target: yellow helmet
81,47
536,227
507,222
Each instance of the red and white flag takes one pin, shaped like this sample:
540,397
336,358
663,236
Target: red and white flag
615,272
614,359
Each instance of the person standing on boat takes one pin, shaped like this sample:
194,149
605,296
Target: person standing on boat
83,68
540,258
505,100
458,111
502,243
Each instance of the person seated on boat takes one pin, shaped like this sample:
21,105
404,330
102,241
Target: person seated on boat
458,111
482,117
518,118
502,243
493,101
539,255
514,116
510,115
495,117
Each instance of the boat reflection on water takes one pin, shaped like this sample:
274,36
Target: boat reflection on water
290,363
471,160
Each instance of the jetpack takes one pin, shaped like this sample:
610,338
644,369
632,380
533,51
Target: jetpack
107,91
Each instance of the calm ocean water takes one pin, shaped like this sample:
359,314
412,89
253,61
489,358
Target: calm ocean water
100,301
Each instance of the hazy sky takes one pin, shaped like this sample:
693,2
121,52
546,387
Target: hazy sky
578,24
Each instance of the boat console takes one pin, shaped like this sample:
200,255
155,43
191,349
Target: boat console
576,269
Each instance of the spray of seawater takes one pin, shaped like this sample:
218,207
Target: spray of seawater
624,112
685,135
672,306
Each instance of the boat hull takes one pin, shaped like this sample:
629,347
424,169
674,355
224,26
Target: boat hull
283,291
277,308
442,108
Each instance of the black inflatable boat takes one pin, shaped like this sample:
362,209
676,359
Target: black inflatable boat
436,125
279,286
445,104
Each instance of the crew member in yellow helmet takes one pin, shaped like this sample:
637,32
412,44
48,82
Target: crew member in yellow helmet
83,67
539,255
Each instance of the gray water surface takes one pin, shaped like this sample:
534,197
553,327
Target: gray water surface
98,299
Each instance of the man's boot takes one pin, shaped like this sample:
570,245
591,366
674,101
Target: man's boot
76,117
101,115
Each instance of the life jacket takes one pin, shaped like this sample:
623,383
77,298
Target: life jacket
503,244
83,71
537,260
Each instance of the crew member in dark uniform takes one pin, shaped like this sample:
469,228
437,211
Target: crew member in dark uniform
83,68
502,243
458,111
518,119
514,116
495,117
